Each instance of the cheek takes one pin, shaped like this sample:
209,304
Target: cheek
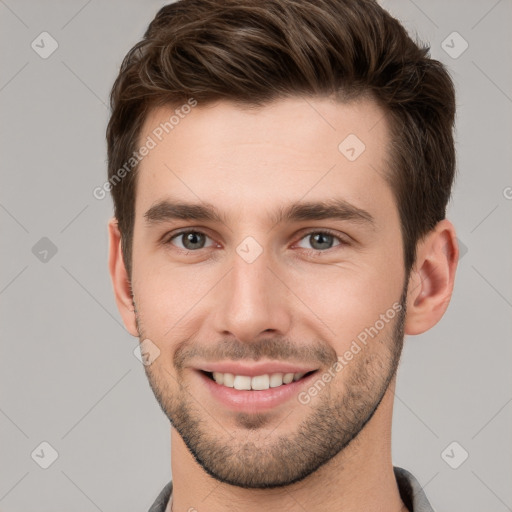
168,295
348,303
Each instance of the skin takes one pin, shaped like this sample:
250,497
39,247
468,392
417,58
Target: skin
247,163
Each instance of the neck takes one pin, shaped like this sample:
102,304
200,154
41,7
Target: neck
359,478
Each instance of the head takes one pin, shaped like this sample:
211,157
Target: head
287,167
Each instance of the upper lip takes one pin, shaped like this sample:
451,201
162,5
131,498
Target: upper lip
253,369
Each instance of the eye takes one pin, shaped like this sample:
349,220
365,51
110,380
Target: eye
193,240
322,240
190,240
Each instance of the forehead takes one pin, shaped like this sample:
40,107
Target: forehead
244,159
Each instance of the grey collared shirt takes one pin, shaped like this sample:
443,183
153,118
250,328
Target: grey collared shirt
411,493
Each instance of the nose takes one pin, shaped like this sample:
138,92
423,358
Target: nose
251,300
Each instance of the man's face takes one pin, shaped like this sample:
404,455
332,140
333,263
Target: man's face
253,293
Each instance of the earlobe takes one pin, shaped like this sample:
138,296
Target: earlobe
432,278
120,280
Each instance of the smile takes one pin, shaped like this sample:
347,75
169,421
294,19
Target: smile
256,383
254,388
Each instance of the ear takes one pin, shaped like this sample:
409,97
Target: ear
120,279
432,277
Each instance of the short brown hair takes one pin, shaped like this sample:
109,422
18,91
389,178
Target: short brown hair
255,51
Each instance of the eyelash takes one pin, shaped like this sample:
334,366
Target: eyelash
342,241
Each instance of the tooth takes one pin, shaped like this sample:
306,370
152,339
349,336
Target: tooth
276,379
260,382
242,382
218,377
229,379
287,378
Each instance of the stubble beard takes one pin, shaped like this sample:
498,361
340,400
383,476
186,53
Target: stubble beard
253,455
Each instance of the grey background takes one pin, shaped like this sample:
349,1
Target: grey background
67,368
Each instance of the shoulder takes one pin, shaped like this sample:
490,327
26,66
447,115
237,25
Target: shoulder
162,499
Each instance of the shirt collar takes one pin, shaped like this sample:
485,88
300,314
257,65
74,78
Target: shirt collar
411,492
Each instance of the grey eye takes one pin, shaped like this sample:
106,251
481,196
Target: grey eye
320,240
190,240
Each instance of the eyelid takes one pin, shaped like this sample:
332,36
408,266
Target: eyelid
342,239
168,237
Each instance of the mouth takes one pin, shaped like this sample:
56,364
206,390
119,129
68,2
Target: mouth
257,382
251,390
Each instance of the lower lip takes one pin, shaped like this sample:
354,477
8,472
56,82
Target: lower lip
255,401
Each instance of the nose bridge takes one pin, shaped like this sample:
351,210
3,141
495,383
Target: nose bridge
252,300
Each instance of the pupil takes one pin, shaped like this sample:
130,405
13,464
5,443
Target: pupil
194,239
320,236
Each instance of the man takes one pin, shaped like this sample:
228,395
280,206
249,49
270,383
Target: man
280,172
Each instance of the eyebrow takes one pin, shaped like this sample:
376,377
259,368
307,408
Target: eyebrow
335,208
